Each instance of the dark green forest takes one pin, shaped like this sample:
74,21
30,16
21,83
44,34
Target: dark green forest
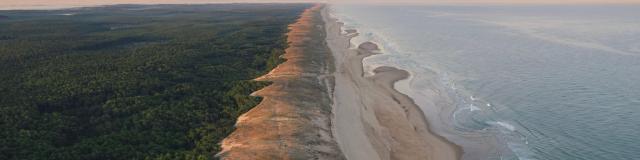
133,81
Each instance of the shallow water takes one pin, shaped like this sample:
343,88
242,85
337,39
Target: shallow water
516,82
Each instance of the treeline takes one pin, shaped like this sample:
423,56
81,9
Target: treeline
133,82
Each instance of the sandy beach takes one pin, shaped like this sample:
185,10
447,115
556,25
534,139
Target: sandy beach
321,105
371,119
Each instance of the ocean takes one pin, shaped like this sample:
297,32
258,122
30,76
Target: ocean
556,82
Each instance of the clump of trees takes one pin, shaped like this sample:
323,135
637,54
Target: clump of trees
133,82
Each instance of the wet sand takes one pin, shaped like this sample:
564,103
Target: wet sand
371,119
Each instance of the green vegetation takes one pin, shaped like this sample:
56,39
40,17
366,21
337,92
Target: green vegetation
133,81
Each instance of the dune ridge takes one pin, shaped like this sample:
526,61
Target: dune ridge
294,118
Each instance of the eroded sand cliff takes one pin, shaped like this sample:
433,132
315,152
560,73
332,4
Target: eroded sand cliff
294,119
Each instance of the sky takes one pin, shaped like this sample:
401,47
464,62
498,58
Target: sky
45,4
496,1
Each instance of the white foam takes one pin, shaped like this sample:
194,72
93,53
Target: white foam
473,108
505,125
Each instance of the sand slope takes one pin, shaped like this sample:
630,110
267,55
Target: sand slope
293,120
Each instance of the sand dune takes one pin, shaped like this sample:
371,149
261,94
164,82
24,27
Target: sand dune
293,120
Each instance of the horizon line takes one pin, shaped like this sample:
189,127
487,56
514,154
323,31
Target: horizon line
75,4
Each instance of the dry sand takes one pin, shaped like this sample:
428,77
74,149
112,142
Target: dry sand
293,121
371,119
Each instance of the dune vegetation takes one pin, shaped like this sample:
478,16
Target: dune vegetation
133,81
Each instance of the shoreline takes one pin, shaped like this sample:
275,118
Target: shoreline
322,105
372,120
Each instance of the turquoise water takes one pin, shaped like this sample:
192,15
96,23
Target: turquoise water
516,81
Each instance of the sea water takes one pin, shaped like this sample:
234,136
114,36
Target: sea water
554,82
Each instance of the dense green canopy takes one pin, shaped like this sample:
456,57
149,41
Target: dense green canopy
133,81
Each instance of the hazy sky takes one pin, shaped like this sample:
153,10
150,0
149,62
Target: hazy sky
495,1
29,4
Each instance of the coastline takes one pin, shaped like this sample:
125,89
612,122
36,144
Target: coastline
293,119
372,120
322,105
